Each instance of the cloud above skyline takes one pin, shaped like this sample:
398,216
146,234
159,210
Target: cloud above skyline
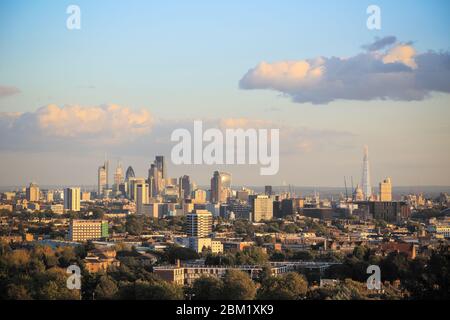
120,130
53,127
6,91
388,70
380,43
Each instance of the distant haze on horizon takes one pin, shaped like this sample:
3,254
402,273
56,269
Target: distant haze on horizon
136,71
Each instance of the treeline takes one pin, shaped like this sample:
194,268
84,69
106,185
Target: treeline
40,273
425,277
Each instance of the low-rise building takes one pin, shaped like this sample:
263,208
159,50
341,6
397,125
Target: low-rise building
100,260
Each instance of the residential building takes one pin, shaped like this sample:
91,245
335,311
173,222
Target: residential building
83,230
72,199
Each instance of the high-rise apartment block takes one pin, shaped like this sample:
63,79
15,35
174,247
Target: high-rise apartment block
199,224
142,197
386,190
72,199
262,208
84,230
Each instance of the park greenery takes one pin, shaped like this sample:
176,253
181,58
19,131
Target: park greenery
39,272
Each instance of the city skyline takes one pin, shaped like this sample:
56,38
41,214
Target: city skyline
67,97
224,156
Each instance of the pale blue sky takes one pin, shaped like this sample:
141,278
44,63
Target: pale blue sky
184,59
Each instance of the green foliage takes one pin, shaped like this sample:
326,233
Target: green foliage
106,288
98,213
207,288
38,273
150,290
352,290
221,259
251,256
430,279
237,285
289,286
245,228
175,252
134,225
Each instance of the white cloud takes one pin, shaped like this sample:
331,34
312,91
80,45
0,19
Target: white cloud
397,72
53,126
403,54
8,91
122,131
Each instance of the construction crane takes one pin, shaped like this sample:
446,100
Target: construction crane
346,193
353,191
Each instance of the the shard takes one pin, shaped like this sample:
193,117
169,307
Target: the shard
365,180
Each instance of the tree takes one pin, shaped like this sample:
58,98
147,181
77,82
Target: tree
51,285
207,288
134,225
395,266
237,285
220,259
18,292
252,256
66,255
174,253
157,290
360,252
106,289
290,286
98,213
303,255
430,279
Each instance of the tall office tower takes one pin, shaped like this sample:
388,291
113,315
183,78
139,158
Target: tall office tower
132,187
262,208
33,193
72,199
102,179
386,190
216,187
141,197
365,183
118,177
161,165
199,224
129,174
155,180
83,230
268,190
49,196
220,187
199,196
185,187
